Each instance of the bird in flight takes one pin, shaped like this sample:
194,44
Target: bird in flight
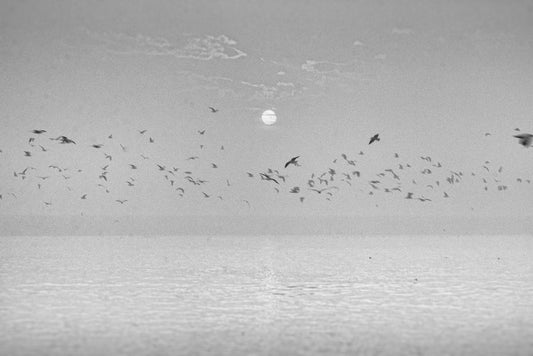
27,153
201,132
267,177
121,201
294,161
213,110
142,131
63,140
98,146
524,139
38,132
374,138
84,196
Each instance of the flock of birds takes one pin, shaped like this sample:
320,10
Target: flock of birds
423,179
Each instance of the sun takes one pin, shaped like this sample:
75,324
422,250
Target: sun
269,117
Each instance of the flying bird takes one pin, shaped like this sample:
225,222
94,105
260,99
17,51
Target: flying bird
84,196
374,138
267,177
38,132
27,153
142,131
98,146
294,161
63,140
213,110
524,139
121,201
201,132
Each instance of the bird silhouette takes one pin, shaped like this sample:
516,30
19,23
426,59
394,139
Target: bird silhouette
374,138
38,132
142,131
213,110
121,201
267,177
63,140
294,161
524,139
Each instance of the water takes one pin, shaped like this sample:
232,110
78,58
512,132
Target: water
243,295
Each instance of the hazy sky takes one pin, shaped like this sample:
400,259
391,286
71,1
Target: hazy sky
432,77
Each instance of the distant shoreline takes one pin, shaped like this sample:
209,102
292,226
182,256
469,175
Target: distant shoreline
262,225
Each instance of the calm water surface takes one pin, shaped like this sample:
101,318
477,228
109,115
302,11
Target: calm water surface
242,295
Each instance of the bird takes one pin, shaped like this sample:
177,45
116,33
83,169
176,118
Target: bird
98,146
374,138
84,196
109,157
151,140
27,153
319,191
409,196
43,149
121,201
132,166
267,177
294,161
213,110
524,139
38,132
142,131
295,190
201,132
63,140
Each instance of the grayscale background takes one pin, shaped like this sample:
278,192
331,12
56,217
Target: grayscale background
169,238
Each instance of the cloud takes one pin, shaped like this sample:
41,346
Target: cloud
326,67
207,47
402,31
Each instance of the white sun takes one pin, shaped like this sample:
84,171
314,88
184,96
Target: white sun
269,117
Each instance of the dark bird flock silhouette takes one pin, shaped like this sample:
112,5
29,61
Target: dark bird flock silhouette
424,179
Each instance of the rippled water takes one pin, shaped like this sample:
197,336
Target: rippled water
233,295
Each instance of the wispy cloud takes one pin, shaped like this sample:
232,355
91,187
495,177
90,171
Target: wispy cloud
402,31
207,47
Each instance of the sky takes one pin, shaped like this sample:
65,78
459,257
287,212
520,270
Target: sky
448,80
